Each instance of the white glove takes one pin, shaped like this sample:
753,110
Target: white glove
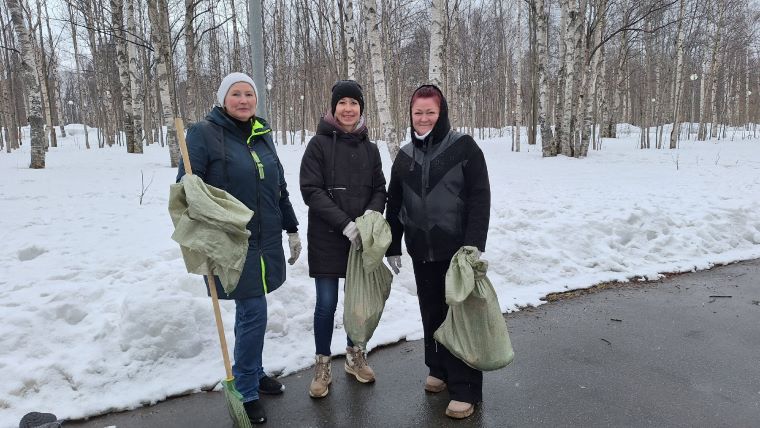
352,233
395,263
368,211
294,242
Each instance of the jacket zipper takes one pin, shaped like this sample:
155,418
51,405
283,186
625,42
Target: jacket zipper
259,171
425,180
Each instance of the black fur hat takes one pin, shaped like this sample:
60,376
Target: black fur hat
346,88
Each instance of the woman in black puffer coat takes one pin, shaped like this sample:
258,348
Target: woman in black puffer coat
341,178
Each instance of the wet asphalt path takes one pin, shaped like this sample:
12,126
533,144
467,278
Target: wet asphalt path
680,352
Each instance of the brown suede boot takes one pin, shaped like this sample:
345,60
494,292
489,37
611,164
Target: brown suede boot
356,364
434,385
459,409
320,385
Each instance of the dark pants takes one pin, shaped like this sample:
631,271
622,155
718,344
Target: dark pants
464,383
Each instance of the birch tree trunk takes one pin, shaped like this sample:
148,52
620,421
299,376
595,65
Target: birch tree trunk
559,93
236,62
717,63
678,86
593,71
542,22
55,81
372,23
701,133
34,92
78,69
122,60
518,83
435,65
43,77
351,35
135,79
191,85
573,34
12,124
160,42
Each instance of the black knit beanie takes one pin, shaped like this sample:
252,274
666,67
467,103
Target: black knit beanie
346,88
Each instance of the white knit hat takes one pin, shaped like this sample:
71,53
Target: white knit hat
230,80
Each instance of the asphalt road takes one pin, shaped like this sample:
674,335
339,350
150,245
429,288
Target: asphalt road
679,352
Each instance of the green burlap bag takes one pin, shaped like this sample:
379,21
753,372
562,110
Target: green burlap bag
474,329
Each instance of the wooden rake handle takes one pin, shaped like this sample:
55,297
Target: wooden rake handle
180,127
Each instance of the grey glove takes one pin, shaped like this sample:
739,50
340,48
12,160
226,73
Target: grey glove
352,233
395,263
294,242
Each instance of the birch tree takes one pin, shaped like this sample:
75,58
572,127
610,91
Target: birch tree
351,36
372,23
678,86
135,78
34,92
122,60
159,23
435,65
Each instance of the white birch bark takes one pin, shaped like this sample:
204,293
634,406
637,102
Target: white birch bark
435,65
573,34
372,22
717,64
518,83
351,35
122,61
542,22
703,103
161,44
678,86
593,71
34,92
135,78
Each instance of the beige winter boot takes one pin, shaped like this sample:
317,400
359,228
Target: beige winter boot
322,377
356,364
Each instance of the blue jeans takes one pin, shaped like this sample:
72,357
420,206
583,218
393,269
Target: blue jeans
250,326
324,314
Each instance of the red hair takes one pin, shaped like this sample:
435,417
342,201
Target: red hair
426,91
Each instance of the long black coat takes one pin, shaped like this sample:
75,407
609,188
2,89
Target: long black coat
341,178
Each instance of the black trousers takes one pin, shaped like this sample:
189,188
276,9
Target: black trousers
463,382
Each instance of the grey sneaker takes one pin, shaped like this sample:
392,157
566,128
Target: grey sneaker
356,364
322,377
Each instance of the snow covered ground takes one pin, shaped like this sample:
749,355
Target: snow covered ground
98,313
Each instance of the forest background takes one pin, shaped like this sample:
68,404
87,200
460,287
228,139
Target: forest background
552,68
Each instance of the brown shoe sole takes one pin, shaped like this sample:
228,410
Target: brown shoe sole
324,394
355,374
460,415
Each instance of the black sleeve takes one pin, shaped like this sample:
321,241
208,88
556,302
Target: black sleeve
313,188
289,220
377,202
395,196
197,152
478,193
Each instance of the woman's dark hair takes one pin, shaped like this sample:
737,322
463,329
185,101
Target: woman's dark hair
426,91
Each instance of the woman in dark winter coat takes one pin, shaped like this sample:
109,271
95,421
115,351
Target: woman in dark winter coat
341,178
439,199
232,149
